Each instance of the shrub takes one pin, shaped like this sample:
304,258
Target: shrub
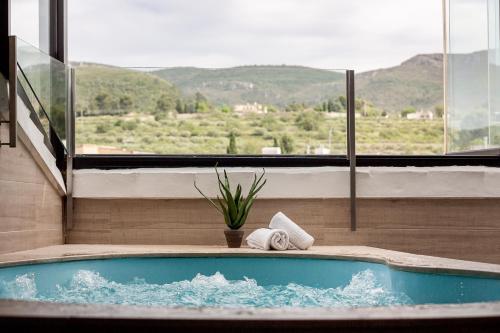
102,128
129,125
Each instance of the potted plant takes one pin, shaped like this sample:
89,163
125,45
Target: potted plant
234,207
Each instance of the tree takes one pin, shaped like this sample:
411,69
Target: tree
231,148
199,98
189,108
129,125
200,103
272,109
275,142
407,111
332,106
102,128
295,107
308,120
286,144
439,110
125,102
343,101
178,106
225,109
359,104
165,103
329,106
202,107
102,101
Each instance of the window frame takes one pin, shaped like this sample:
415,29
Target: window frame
112,162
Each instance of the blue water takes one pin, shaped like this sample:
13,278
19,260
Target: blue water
238,282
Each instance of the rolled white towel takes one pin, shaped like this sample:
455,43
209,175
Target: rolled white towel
267,239
299,239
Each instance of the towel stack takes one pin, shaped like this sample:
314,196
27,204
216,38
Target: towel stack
282,234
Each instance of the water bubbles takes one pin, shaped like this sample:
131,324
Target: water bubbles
23,287
207,291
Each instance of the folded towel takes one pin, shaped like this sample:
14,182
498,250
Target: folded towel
266,239
299,239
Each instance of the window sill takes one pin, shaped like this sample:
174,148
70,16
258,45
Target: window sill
293,183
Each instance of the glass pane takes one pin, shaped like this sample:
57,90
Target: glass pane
48,80
261,54
133,111
30,21
494,70
473,99
40,113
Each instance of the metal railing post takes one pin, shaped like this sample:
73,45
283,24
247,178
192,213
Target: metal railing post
70,146
351,144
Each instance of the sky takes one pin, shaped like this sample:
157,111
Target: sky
353,34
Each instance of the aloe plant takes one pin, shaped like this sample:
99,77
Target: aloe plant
234,207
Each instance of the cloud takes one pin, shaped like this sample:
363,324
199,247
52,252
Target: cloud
357,34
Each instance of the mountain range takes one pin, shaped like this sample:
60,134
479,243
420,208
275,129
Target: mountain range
416,83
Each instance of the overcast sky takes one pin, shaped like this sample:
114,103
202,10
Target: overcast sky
357,34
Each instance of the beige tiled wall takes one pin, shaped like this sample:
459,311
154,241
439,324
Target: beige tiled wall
455,228
30,207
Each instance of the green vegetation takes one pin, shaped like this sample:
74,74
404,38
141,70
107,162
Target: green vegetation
210,133
142,112
106,90
231,148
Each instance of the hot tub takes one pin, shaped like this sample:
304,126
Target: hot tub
240,282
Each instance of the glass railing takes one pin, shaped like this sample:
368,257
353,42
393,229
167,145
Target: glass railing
473,76
45,83
248,110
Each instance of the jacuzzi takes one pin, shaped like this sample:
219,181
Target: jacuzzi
243,282
85,288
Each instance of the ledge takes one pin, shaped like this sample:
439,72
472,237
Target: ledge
293,183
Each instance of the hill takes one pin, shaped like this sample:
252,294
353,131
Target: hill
275,85
103,89
417,82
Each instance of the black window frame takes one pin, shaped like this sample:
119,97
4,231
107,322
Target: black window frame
113,162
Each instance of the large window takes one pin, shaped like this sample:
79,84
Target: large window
256,77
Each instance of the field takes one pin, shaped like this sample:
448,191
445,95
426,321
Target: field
297,132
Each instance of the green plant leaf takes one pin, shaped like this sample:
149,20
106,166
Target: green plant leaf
225,214
209,200
237,195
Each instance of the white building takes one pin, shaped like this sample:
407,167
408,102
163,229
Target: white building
250,108
271,151
321,151
421,115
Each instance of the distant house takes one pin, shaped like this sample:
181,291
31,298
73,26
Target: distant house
421,115
271,151
321,151
250,108
95,149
